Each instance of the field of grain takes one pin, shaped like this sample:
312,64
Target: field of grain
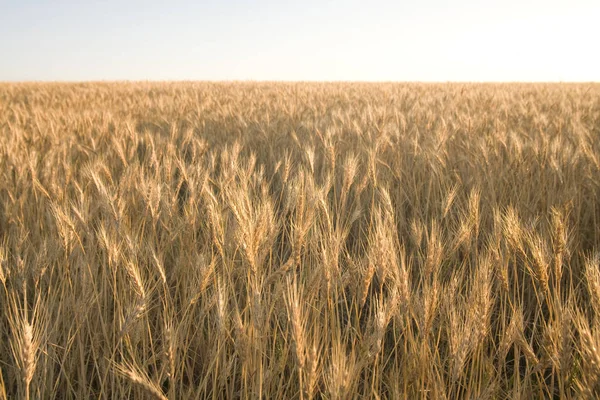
301,240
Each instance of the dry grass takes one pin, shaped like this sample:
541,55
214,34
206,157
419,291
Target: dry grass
250,240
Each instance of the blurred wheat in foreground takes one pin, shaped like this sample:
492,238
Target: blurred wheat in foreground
263,240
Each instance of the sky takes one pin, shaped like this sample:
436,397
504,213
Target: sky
424,40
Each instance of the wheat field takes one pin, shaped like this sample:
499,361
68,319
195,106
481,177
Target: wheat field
299,240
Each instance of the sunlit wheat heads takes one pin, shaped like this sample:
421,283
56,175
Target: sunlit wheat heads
287,240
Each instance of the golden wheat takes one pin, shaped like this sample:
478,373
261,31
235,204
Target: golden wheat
287,240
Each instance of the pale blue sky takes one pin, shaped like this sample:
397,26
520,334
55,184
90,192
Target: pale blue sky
430,40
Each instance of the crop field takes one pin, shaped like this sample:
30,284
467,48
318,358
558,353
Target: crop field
299,240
